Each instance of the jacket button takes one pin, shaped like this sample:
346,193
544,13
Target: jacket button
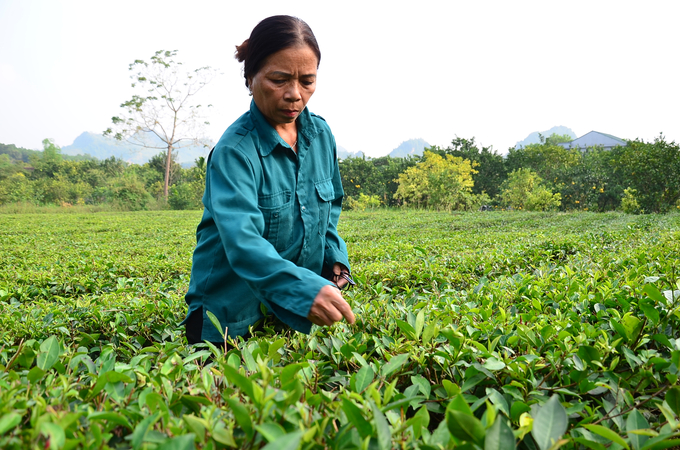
303,208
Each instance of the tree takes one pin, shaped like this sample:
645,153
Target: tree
163,114
490,165
188,193
7,169
48,163
359,175
552,162
438,182
524,190
555,139
652,169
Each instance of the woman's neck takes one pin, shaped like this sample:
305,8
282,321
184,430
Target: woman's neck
289,133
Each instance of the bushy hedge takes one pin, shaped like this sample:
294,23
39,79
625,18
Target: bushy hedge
50,179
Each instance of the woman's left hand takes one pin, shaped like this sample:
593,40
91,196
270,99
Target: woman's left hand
337,270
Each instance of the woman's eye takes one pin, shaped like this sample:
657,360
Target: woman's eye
308,83
279,82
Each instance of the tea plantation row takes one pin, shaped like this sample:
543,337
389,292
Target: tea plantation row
480,331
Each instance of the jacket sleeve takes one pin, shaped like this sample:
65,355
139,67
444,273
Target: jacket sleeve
335,249
283,287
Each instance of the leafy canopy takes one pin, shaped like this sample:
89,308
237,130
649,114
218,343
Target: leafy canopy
438,182
524,190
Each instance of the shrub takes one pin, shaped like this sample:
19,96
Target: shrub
186,195
629,203
524,190
437,183
125,192
16,188
364,201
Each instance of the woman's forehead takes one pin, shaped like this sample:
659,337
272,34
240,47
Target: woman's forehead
299,59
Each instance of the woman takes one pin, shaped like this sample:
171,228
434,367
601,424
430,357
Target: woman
272,200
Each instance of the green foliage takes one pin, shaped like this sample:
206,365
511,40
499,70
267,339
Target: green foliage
596,179
374,176
47,163
555,139
490,330
112,182
629,203
592,185
591,180
552,163
524,190
157,166
186,195
127,192
489,165
493,330
438,183
188,192
651,169
362,202
16,188
7,167
20,156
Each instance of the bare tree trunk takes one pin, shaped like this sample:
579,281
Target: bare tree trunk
168,161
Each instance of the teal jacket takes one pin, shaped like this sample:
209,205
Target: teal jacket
269,225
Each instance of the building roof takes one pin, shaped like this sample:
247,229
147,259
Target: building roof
595,139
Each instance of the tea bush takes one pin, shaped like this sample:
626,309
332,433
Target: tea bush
492,330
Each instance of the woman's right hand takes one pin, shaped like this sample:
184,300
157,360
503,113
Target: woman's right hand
329,307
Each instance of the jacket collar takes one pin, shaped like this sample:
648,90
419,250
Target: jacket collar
270,139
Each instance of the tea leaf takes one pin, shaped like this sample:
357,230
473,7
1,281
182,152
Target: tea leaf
394,364
355,417
216,322
420,322
271,431
550,423
290,441
499,436
636,421
607,434
382,428
673,399
9,421
363,378
654,293
49,353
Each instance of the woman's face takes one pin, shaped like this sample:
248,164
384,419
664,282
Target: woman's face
284,84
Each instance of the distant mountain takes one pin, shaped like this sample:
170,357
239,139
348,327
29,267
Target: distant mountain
344,153
533,138
410,147
102,147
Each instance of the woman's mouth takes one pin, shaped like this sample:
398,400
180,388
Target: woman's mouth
290,112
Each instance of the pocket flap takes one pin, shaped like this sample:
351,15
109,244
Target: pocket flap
273,201
325,190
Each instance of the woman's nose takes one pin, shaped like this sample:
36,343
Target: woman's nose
293,92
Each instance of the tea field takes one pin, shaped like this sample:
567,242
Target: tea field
494,330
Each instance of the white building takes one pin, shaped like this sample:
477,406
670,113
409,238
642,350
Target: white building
595,139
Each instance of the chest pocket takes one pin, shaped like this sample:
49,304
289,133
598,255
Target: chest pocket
277,211
326,193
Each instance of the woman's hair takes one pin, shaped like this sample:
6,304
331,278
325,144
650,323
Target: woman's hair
270,36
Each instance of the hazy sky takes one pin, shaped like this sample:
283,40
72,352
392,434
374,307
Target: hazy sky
390,71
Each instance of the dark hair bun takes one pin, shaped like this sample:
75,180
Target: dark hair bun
242,51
